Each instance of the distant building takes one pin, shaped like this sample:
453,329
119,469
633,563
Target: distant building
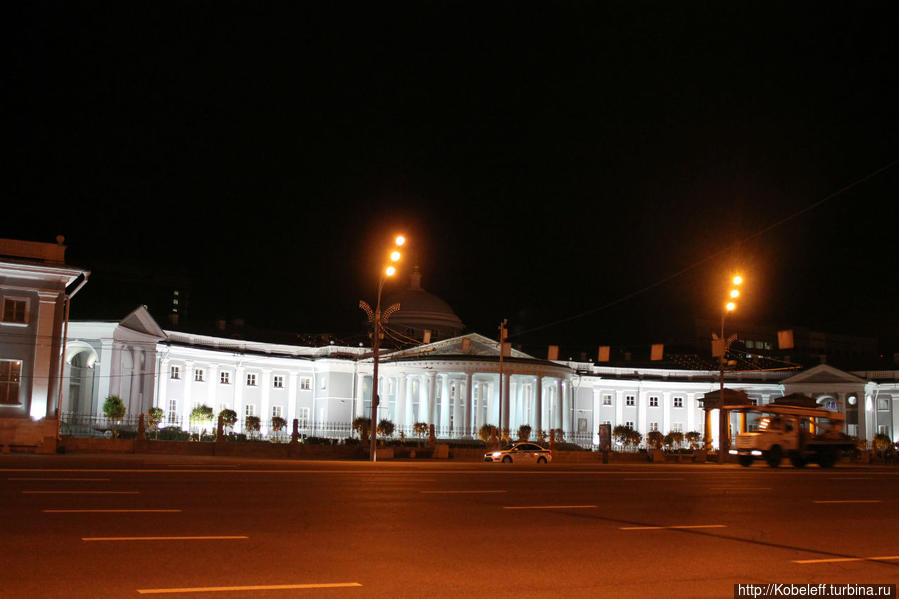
36,287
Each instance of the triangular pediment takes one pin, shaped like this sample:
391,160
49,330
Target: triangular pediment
140,321
822,373
471,344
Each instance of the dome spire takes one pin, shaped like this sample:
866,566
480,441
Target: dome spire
415,279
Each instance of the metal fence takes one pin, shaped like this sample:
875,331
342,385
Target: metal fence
82,425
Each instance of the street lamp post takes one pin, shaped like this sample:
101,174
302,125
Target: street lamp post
723,420
378,320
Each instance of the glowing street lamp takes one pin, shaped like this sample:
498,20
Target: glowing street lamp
378,320
723,424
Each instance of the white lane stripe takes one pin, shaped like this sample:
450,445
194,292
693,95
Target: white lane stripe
653,479
850,478
850,501
67,479
208,538
108,511
843,559
675,527
268,587
740,488
460,492
81,492
547,507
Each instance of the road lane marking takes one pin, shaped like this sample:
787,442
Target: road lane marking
740,488
675,527
81,492
461,492
109,511
67,479
218,538
653,479
851,478
547,507
849,501
844,559
268,587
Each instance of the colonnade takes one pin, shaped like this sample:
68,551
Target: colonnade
459,403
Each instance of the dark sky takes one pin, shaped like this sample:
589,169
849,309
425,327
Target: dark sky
545,159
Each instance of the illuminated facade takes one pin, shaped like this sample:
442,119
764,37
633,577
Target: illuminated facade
35,286
453,384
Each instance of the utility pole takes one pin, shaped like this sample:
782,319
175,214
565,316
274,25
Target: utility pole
503,415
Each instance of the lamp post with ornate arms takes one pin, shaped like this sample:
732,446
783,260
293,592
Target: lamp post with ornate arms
378,320
723,424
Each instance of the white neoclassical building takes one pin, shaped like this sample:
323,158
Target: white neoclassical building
454,384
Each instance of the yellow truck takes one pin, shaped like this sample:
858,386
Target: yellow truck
801,434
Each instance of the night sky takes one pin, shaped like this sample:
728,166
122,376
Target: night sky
590,171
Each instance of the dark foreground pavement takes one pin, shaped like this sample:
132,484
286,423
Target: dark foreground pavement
127,526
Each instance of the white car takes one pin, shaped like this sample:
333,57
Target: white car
526,453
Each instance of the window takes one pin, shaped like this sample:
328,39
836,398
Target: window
225,378
199,375
653,401
250,410
883,429
276,411
678,402
324,382
883,403
303,417
278,381
10,373
677,427
629,400
629,424
609,422
15,310
251,380
653,426
753,401
175,372
305,383
173,411
606,400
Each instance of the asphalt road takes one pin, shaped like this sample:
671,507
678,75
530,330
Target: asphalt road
128,526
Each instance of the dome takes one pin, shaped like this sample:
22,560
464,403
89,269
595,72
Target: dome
421,311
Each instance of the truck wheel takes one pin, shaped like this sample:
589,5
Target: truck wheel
773,456
798,461
745,460
827,458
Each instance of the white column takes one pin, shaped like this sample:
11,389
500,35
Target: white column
444,402
265,417
238,383
619,409
115,374
42,405
538,396
466,403
595,417
559,415
212,381
641,413
666,413
691,412
292,382
188,406
360,395
400,400
162,400
105,377
432,398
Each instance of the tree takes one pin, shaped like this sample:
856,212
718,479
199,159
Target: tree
386,428
114,409
674,439
362,426
200,415
154,418
655,439
634,438
229,418
524,432
693,439
421,429
620,434
278,424
252,424
486,432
